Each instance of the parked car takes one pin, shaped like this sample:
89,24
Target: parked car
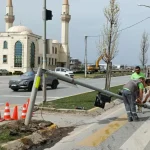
26,80
4,72
64,71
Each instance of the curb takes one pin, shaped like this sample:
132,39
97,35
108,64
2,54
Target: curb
31,140
88,112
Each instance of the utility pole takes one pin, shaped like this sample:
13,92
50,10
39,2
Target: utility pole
35,87
85,59
44,51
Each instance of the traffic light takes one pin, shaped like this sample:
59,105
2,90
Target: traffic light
49,15
101,99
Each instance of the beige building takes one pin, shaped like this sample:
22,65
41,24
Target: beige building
21,49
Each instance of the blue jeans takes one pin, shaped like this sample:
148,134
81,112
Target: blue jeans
129,100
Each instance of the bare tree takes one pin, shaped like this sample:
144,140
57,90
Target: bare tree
144,49
108,44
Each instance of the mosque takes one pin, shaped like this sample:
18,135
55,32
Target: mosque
21,49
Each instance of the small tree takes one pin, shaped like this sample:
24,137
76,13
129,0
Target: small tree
108,45
144,49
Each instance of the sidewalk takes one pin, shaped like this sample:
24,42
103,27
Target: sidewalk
62,119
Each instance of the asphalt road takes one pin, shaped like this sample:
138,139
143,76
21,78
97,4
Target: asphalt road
109,131
20,97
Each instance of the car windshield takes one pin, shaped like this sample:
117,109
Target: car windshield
28,74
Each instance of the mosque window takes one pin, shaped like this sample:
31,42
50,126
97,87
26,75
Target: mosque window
55,61
38,60
4,58
49,61
32,55
52,61
18,54
55,50
5,46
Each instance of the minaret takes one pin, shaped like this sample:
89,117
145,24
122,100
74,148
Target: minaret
9,17
65,18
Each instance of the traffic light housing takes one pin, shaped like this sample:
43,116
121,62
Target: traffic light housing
101,99
49,15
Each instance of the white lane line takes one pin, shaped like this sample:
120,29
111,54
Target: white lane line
19,96
139,139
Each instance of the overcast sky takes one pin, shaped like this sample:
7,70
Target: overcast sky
86,19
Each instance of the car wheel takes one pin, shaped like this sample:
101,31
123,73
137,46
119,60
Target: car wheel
15,90
54,84
30,86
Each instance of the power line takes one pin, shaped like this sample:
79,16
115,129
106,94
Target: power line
126,27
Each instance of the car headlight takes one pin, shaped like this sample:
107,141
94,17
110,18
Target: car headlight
25,82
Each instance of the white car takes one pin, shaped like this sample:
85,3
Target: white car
64,71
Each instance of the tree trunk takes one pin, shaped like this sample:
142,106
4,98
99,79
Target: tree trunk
106,79
108,76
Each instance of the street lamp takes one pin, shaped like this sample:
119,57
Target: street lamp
47,15
85,58
44,50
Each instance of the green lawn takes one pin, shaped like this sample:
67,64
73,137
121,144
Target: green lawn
82,100
100,75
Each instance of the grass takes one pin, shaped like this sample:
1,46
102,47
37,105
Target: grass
13,130
5,136
99,75
82,75
85,100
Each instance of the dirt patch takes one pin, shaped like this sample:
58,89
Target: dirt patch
16,129
53,139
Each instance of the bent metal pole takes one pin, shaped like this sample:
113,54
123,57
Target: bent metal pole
73,81
33,96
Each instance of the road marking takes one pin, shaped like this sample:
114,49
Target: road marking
26,96
139,139
89,126
101,135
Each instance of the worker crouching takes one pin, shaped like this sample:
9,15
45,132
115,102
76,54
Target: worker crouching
129,98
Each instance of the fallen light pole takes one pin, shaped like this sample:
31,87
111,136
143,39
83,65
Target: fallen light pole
33,96
74,81
68,80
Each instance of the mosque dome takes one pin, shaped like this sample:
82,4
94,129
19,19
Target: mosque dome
55,41
25,32
19,29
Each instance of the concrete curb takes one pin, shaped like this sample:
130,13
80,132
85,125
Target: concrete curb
88,112
31,140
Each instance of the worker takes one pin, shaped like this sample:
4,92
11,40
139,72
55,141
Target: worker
135,76
137,73
148,91
129,90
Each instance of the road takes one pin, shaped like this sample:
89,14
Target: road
20,97
109,131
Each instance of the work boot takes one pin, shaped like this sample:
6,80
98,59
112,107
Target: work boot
135,118
130,119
